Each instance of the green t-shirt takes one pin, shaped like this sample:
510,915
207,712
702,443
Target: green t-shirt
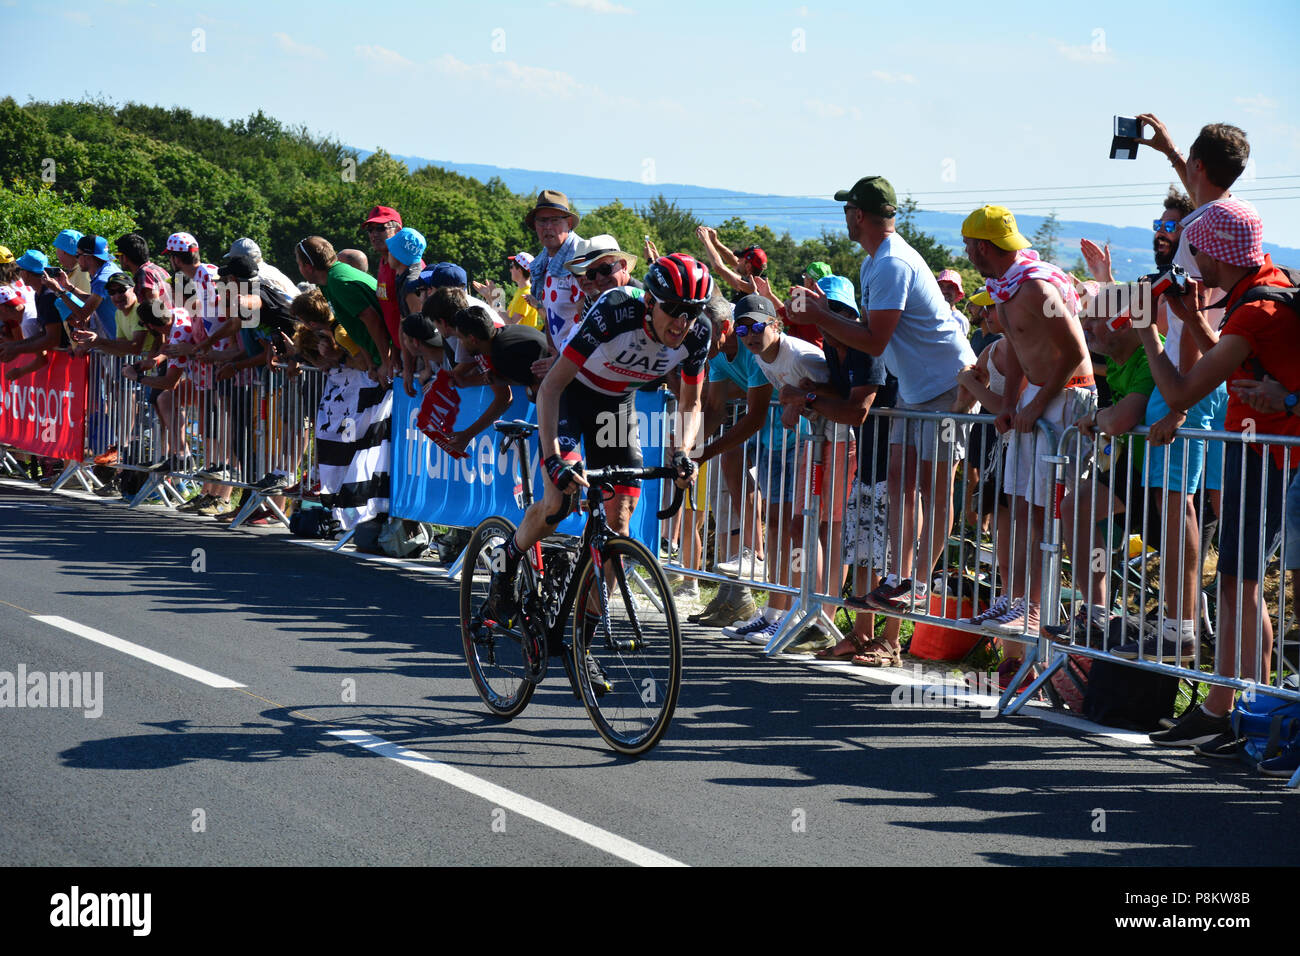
350,292
1134,376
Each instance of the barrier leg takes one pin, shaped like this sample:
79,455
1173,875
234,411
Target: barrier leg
344,540
800,613
73,469
453,572
1010,710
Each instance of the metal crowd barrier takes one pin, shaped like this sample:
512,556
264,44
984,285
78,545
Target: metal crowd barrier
223,434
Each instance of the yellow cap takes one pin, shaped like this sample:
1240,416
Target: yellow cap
345,341
5,255
981,297
997,225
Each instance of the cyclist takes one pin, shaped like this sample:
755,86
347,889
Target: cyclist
587,397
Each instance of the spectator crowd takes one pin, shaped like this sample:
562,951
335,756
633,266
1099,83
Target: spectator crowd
1208,342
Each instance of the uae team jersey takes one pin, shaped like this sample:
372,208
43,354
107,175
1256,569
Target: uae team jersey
616,354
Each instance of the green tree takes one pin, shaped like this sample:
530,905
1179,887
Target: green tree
935,254
623,224
674,226
1045,237
31,216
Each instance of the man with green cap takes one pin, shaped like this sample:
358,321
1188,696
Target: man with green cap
906,321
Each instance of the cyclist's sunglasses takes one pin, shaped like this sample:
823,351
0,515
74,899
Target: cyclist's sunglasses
688,312
755,327
1168,225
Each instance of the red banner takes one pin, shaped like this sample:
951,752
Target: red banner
45,412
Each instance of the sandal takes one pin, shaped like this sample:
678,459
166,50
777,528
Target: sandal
879,653
848,647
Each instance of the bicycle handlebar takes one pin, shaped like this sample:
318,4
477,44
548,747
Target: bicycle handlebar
611,476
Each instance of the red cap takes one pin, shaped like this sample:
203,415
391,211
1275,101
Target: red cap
383,214
756,257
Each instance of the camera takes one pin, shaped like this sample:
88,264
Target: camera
1124,142
1174,278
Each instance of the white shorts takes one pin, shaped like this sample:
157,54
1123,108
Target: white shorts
1025,474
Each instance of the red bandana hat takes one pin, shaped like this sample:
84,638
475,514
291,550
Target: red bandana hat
1229,231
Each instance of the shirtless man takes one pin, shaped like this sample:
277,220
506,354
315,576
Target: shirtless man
1038,309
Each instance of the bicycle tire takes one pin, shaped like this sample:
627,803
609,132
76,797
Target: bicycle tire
495,657
641,655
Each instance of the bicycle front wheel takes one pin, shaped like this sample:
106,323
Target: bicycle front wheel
628,661
494,653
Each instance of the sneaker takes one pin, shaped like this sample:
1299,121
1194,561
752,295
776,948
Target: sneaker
744,564
194,504
686,594
741,628
1021,616
107,458
1284,764
1224,746
762,635
271,483
1168,647
166,466
600,682
897,595
725,607
109,489
215,506
667,551
811,640
1195,727
214,472
993,611
1089,627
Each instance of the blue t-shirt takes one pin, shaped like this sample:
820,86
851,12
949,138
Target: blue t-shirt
744,371
928,347
106,310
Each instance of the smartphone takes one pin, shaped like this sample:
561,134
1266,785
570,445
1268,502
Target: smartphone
1124,141
53,271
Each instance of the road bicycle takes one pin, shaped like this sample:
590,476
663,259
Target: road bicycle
623,655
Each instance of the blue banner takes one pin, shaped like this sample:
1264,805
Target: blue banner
429,485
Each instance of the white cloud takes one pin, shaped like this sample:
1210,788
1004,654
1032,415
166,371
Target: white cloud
292,47
383,58
892,78
1084,52
1257,104
80,17
595,6
512,76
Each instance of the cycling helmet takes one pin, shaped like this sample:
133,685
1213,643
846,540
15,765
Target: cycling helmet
679,279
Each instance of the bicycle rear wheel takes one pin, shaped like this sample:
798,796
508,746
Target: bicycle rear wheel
495,654
640,656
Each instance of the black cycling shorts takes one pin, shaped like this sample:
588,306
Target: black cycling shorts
606,427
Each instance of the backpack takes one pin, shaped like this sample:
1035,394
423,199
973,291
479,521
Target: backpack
313,521
365,536
1118,695
1069,685
403,538
1269,724
1287,297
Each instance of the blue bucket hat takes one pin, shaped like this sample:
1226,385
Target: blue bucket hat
839,289
407,246
33,260
66,241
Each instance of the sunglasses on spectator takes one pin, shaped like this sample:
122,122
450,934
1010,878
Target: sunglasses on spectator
1168,225
380,227
603,272
755,327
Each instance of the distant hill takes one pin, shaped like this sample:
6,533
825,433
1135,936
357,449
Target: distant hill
804,217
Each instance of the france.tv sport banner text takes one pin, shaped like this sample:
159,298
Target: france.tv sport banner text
430,485
45,412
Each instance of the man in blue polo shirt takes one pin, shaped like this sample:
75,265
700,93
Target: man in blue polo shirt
94,259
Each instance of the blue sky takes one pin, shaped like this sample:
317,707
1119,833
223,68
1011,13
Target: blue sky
1011,106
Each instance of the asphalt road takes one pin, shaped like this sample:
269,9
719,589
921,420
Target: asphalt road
357,738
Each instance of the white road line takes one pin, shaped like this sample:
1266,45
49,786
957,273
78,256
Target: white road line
135,650
570,826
